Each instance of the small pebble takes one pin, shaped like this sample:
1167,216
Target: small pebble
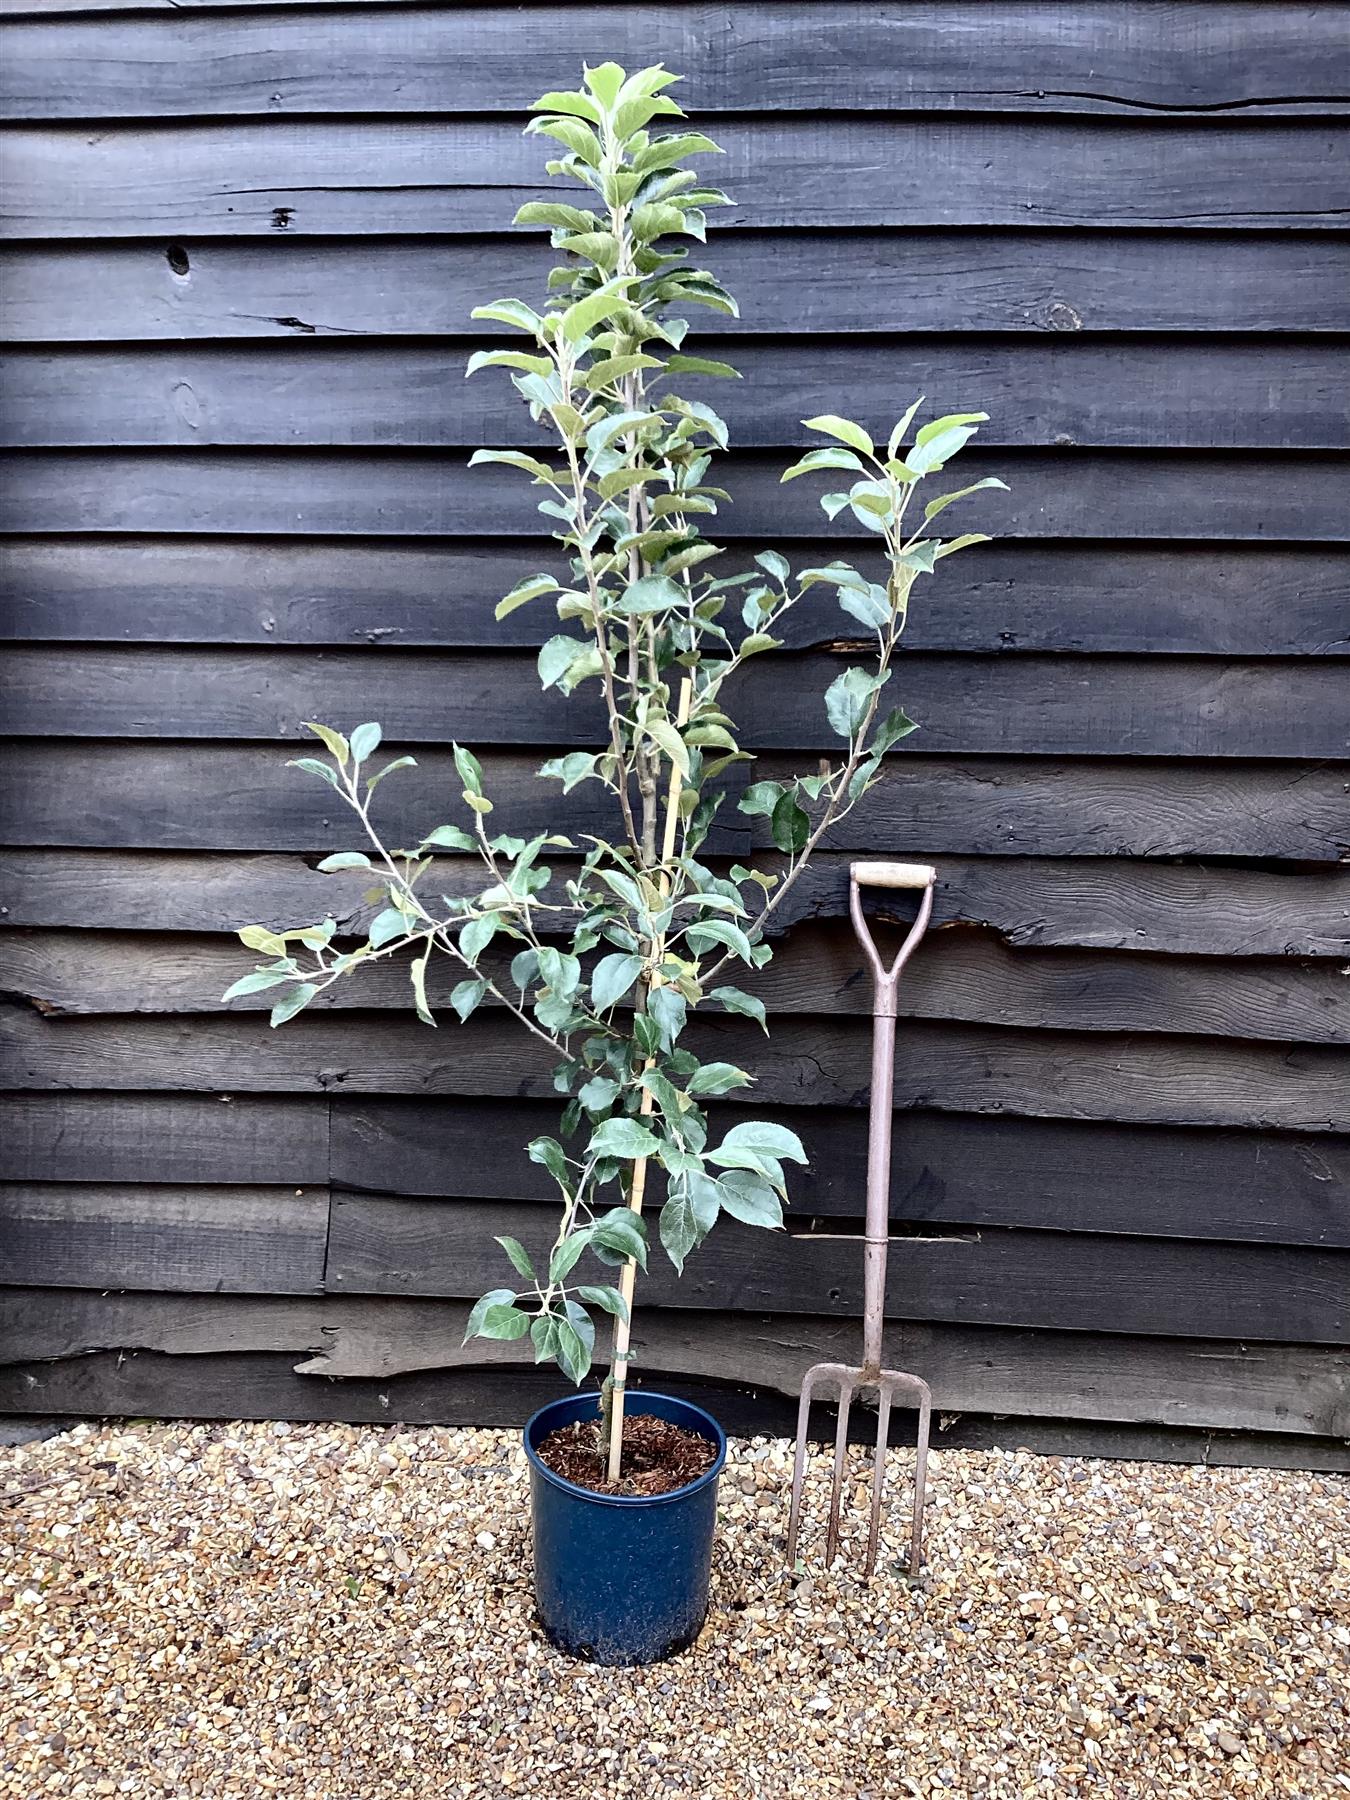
331,1612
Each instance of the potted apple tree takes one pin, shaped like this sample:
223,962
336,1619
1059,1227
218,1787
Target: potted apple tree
607,958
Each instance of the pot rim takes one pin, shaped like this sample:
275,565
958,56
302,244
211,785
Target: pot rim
714,1433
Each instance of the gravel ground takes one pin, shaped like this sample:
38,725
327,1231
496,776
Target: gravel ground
344,1613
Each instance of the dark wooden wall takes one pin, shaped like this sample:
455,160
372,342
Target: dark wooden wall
243,244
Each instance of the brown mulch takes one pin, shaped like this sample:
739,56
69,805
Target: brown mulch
658,1457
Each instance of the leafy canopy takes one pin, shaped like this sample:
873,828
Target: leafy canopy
606,957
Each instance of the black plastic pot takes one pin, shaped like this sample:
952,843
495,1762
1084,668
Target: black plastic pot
622,1578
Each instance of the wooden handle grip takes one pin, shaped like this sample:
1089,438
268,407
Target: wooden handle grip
893,874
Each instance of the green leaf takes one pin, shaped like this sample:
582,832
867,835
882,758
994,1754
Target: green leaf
576,766
897,437
822,459
894,726
751,1199
255,983
418,971
613,368
505,359
550,1155
848,697
333,741
789,825
651,594
936,443
520,1258
764,1138
344,859
599,1093
515,459
760,798
365,741
737,1002
934,507
504,1322
258,937
399,762
557,657
604,81
719,931
587,312
961,543
717,1078
510,312
668,1007
386,926
465,997
560,971
469,768
843,429
664,734
701,365
568,1254
871,605
554,212
624,1233
573,1351
312,766
777,566
612,978
625,1140
937,428
292,1003
579,104
608,1299
523,591
544,1337
476,936
680,1230
481,1307
447,837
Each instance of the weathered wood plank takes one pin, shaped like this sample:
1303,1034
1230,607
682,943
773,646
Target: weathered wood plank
1300,1389
1150,1286
1053,1175
950,1068
1008,280
959,974
1208,394
1046,1174
468,175
217,797
1011,596
1052,494
260,1386
758,58
222,1138
217,1240
1024,705
1077,903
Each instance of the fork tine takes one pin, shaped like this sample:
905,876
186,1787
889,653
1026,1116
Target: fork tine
836,1485
920,1476
799,1467
878,1475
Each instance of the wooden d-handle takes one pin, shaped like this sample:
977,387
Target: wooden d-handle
893,874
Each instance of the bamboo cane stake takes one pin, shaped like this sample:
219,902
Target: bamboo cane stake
618,1375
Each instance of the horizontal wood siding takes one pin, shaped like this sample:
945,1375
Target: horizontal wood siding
240,248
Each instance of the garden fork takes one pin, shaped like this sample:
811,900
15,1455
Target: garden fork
848,1380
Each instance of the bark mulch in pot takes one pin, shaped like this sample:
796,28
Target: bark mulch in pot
658,1457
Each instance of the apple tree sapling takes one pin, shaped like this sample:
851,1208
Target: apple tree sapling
606,958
